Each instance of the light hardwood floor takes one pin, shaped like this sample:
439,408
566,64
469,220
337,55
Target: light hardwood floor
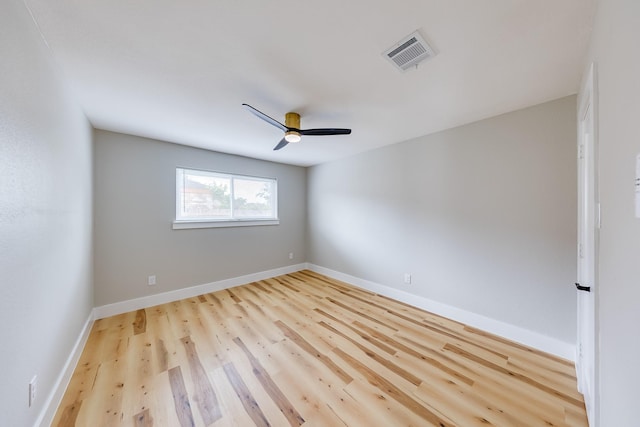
305,350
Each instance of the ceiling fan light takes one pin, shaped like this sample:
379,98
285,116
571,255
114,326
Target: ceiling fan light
292,136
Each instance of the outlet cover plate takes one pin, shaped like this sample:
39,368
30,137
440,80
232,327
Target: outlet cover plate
33,385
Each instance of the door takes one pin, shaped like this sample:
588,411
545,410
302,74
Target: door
588,221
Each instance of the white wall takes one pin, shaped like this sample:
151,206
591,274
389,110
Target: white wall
45,218
135,207
614,49
483,216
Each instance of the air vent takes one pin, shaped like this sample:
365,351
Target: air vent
409,52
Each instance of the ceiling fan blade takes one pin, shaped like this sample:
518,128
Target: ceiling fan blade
264,117
326,131
283,142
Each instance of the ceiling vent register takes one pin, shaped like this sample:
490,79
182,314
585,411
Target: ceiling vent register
409,51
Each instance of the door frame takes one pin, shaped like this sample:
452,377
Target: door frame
588,100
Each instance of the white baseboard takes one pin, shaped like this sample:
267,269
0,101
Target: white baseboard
60,386
514,333
165,297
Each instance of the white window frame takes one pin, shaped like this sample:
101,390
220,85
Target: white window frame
181,223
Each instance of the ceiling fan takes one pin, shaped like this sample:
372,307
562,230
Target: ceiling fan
291,127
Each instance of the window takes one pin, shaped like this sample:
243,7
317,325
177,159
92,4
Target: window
212,199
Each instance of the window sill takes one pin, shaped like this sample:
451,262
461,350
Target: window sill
184,225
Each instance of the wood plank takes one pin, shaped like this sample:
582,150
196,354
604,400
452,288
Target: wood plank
323,358
469,409
204,396
143,419
396,393
411,352
180,398
364,336
311,407
242,391
514,345
162,407
68,415
270,409
140,323
402,373
292,415
304,375
355,311
138,375
512,374
105,405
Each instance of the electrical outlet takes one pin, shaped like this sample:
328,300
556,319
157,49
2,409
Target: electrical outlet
290,255
580,351
151,280
407,278
33,385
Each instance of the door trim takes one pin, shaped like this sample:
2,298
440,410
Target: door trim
588,98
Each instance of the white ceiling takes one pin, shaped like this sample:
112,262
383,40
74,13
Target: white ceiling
180,70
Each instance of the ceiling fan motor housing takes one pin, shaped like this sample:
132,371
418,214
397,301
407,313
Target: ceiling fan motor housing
292,120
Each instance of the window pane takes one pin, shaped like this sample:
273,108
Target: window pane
252,198
206,196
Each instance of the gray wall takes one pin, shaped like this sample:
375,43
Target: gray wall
135,207
483,216
45,218
614,46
